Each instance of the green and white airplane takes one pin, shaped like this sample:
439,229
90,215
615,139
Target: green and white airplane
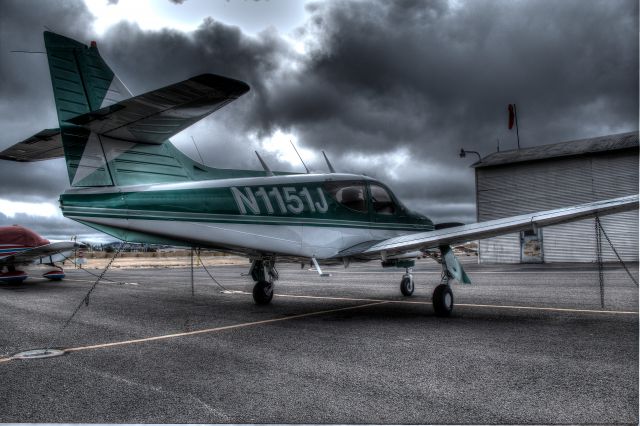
129,181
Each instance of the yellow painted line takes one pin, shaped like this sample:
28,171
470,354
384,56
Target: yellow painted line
538,308
351,299
535,308
216,329
209,330
103,281
433,272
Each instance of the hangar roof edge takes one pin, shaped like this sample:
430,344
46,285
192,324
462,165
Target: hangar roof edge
561,149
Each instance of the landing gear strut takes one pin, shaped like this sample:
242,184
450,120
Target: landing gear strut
406,285
264,273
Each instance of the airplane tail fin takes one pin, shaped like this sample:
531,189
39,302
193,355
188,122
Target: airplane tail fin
82,81
111,138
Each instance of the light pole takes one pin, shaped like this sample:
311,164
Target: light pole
463,153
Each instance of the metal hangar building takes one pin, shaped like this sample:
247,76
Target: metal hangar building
551,176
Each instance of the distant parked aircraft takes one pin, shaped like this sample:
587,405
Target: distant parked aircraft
21,247
129,181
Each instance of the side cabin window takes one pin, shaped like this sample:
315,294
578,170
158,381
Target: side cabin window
349,194
381,200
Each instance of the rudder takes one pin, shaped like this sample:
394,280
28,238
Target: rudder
82,82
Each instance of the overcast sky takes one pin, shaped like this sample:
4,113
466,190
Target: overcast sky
390,89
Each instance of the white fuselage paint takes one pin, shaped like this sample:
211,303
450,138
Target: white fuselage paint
290,240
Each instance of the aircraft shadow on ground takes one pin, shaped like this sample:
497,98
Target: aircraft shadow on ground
33,286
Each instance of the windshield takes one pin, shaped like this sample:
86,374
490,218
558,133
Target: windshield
349,194
381,200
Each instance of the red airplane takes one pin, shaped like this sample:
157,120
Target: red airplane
21,247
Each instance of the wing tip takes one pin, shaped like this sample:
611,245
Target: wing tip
234,87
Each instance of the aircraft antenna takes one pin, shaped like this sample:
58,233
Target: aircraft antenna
331,169
299,156
264,165
199,155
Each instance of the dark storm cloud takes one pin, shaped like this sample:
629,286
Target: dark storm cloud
149,58
146,60
433,77
379,81
21,27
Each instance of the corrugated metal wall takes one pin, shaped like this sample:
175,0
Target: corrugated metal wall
503,249
513,189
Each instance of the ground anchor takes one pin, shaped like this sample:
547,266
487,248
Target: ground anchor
38,353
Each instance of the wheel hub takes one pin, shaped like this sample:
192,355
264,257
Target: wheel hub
447,300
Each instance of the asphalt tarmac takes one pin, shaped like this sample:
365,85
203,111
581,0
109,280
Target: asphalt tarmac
525,344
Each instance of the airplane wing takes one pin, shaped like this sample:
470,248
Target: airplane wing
36,253
493,228
44,145
155,116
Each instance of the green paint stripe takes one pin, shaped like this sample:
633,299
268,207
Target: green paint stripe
214,218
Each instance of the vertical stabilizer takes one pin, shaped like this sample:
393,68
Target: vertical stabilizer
82,82
111,138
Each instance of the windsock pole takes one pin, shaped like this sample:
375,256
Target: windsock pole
513,116
515,113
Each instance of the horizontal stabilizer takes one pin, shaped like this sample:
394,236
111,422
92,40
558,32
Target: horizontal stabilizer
157,115
507,225
44,145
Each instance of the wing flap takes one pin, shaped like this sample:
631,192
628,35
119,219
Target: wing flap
155,116
493,228
44,145
357,249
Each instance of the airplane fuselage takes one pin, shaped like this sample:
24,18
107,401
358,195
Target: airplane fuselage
301,215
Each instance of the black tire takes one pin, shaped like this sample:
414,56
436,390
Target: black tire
443,300
406,286
262,292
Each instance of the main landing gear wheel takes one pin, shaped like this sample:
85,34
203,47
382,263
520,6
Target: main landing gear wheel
264,274
406,286
443,300
262,292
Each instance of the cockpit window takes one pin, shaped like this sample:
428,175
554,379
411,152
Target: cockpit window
348,193
381,200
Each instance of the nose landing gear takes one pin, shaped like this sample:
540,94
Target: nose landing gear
406,285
